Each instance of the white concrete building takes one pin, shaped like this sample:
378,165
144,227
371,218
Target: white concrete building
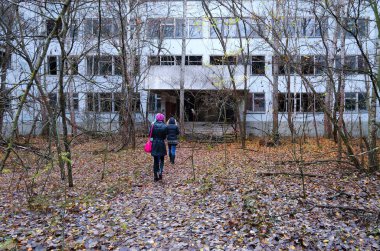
154,38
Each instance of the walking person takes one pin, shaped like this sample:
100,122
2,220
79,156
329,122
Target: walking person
159,134
172,138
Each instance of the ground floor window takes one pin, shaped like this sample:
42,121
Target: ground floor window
109,102
256,102
154,103
54,100
355,101
5,99
259,102
300,102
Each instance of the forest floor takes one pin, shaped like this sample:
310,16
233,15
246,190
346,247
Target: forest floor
250,199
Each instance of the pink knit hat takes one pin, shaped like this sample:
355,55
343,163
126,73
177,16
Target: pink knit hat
160,117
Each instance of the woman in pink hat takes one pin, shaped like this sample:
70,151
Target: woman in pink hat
159,134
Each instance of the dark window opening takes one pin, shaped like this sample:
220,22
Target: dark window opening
320,64
154,60
72,65
75,98
307,65
259,102
50,23
249,102
353,64
5,99
53,100
285,66
258,65
53,65
118,65
350,101
136,102
223,60
105,102
154,102
300,102
189,60
4,59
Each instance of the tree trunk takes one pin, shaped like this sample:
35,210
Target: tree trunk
275,133
372,134
182,73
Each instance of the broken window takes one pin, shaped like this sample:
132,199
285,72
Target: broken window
258,65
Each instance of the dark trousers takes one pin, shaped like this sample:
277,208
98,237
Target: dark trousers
158,164
172,149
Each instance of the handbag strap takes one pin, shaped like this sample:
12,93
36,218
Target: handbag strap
151,131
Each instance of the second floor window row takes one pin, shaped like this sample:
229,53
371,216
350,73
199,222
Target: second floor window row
224,27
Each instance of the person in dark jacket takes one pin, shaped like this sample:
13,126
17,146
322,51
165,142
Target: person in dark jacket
172,138
159,134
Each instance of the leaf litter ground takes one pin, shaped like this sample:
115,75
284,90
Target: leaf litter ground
239,200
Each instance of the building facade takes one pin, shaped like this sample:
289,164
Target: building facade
232,50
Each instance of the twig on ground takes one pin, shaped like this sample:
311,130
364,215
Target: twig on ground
141,211
290,174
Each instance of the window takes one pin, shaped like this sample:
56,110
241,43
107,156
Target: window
189,60
136,102
355,27
307,65
105,102
353,64
75,101
251,28
53,65
92,102
300,102
5,60
286,102
362,101
223,60
153,26
312,27
103,65
108,102
118,65
320,64
108,27
350,101
174,60
290,26
226,26
249,102
71,65
50,23
284,65
355,102
172,28
53,100
154,103
304,26
167,28
6,99
195,28
154,60
259,102
73,29
258,65
167,60
134,26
